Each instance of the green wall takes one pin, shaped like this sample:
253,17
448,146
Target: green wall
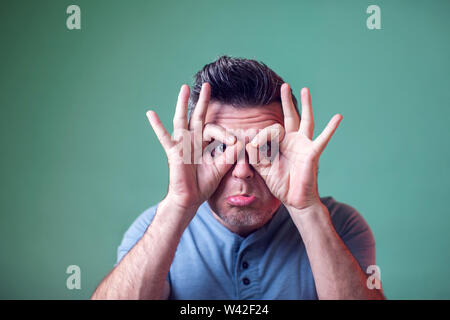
79,160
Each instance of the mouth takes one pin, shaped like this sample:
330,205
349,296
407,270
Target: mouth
240,200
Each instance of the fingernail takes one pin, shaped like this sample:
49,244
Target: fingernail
231,139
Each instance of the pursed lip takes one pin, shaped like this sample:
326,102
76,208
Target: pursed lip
242,199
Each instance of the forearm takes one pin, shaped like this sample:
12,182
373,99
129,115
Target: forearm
336,272
142,272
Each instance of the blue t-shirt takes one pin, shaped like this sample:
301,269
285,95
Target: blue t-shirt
211,262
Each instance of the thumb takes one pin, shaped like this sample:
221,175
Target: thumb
224,162
259,160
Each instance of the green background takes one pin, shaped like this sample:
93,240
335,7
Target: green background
79,160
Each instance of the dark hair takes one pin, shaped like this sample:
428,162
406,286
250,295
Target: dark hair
239,82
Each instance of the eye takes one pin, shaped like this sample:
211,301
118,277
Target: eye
266,148
220,149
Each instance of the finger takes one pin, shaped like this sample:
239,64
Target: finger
207,157
197,120
307,122
213,147
258,150
323,139
275,131
163,136
224,162
291,118
214,131
209,148
252,152
258,162
180,117
198,116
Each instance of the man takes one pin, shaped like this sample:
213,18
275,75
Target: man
236,222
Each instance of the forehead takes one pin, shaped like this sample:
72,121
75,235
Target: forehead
244,120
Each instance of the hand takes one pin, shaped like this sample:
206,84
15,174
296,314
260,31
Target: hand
194,173
291,175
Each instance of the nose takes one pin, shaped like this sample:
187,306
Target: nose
242,169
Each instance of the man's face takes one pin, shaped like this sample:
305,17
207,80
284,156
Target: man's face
244,123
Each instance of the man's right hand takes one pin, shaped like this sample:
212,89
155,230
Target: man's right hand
195,167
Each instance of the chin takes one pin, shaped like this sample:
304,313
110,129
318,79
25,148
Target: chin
254,215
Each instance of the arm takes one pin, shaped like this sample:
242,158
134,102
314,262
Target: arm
143,271
336,272
291,176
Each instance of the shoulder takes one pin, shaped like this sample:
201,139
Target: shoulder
353,230
136,231
348,221
142,222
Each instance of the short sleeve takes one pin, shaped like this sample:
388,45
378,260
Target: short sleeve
355,232
135,232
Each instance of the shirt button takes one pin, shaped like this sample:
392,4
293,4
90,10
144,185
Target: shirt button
245,265
246,281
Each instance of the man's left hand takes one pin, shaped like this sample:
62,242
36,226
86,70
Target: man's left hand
291,174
